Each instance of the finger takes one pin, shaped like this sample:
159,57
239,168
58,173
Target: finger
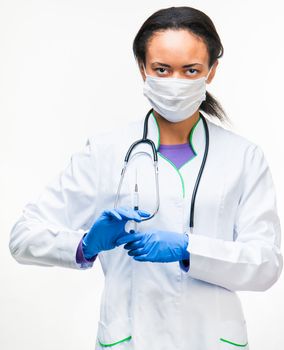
113,213
134,245
143,213
129,238
129,214
141,257
137,252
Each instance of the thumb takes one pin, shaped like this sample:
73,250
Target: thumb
143,213
129,238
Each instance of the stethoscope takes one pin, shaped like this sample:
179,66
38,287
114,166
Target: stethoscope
154,156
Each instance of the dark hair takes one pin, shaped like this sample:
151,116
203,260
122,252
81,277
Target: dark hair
198,23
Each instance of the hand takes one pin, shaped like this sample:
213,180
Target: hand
108,228
156,246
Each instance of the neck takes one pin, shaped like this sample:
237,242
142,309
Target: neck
175,133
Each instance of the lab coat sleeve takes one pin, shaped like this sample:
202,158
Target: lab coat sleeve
252,260
51,227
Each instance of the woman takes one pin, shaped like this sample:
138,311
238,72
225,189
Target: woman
169,284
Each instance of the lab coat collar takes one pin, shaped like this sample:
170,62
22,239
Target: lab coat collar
196,136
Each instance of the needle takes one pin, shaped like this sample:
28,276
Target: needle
136,199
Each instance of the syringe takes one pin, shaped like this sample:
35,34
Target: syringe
136,200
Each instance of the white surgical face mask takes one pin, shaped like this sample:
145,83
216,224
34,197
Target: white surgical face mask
175,99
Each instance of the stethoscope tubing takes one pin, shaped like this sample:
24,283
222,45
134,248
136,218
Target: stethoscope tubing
155,159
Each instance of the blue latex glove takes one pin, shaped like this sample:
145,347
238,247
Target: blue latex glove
108,228
156,246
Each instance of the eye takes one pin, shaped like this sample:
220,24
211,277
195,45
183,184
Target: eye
160,70
191,71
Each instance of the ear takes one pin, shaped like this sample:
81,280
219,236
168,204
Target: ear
212,72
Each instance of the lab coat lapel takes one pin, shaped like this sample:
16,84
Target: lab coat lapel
189,170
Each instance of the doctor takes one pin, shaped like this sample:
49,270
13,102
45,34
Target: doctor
168,285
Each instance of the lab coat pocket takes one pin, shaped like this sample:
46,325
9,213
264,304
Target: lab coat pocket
117,333
233,335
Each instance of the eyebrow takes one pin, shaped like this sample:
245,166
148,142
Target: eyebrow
185,66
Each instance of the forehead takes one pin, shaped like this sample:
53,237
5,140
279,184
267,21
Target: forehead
176,46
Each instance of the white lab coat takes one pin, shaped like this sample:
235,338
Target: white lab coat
235,245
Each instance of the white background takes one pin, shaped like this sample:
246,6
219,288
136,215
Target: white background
66,70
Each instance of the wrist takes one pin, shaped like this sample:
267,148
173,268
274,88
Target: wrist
85,248
81,259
